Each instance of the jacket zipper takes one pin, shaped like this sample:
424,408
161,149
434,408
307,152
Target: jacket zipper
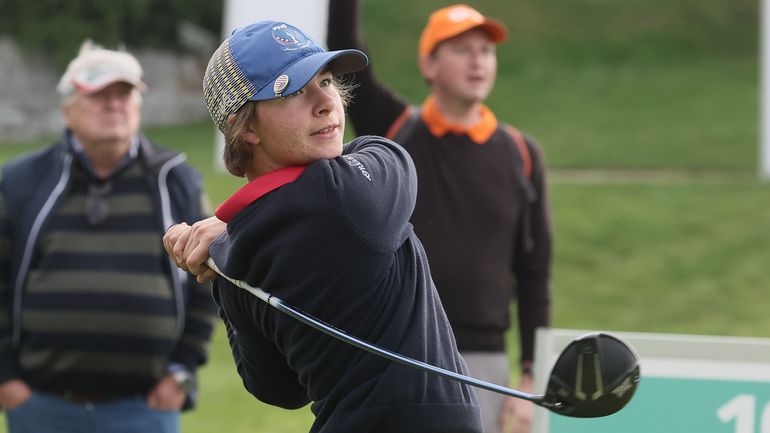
180,276
21,276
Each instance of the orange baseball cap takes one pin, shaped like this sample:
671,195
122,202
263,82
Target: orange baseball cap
450,21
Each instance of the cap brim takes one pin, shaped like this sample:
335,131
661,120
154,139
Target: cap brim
96,86
302,71
495,29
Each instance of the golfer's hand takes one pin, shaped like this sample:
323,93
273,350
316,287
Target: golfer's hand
14,393
167,395
189,246
174,241
516,414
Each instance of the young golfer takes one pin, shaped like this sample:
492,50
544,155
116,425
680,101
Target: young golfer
323,226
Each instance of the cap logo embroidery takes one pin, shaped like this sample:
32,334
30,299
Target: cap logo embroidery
289,38
280,85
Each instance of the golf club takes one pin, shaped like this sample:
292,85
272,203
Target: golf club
594,376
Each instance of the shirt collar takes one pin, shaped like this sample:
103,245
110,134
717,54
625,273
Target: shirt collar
133,151
80,154
255,189
439,125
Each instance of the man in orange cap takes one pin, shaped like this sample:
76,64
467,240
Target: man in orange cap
482,211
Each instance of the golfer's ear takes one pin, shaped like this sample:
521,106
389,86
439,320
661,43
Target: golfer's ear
251,136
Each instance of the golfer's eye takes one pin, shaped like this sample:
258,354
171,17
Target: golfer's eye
297,93
326,82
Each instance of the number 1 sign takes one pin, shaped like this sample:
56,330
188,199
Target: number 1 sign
689,384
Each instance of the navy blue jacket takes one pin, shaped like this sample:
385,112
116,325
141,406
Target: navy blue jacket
334,240
32,187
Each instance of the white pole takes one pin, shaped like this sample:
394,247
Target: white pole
308,15
764,103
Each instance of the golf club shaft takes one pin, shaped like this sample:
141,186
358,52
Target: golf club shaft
369,347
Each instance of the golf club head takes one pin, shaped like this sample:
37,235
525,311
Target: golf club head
596,375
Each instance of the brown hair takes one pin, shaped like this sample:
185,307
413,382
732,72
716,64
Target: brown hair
238,154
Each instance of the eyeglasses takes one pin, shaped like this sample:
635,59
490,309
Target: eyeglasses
97,208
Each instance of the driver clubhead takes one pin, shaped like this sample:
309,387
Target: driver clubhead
596,375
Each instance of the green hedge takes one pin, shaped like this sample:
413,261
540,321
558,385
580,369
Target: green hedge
56,28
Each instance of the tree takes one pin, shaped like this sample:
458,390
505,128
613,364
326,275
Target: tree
56,28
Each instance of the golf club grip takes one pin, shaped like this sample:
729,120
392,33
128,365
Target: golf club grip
369,347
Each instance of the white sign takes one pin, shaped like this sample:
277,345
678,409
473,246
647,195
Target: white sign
689,383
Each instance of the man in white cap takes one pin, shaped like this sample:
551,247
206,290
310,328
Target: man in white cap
99,331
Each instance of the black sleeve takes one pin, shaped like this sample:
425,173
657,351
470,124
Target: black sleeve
262,368
375,107
374,185
532,266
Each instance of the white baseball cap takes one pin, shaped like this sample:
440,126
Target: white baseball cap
96,68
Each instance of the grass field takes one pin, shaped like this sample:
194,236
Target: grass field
667,89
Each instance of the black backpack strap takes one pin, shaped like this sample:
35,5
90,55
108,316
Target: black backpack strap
522,154
522,149
404,124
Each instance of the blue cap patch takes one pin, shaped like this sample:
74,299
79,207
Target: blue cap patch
289,37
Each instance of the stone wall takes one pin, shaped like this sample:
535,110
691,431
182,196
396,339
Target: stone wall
29,104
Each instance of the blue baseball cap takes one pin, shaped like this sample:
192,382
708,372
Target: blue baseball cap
267,60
